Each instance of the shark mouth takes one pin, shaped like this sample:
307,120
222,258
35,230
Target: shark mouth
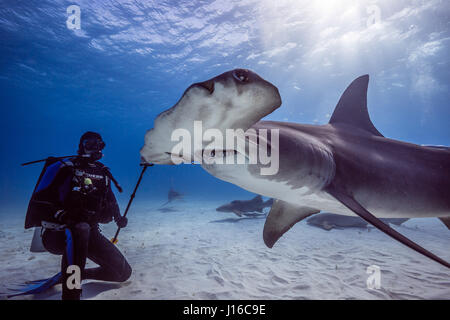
211,156
225,156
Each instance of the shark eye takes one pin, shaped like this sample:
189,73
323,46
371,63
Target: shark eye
241,75
213,153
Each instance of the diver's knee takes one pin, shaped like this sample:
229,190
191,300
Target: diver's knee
125,274
81,228
81,232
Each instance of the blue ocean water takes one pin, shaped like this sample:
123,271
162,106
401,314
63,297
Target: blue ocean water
130,60
119,63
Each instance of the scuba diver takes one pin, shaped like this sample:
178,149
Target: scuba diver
72,197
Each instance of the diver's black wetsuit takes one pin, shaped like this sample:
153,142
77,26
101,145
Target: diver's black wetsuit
90,243
79,198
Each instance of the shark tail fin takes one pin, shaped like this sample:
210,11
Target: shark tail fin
353,205
352,107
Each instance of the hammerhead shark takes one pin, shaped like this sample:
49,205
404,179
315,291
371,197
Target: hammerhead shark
346,166
172,195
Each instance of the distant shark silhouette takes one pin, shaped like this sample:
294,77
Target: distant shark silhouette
234,220
345,166
172,195
246,207
167,210
329,221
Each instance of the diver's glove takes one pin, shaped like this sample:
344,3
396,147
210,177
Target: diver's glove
72,216
121,222
63,216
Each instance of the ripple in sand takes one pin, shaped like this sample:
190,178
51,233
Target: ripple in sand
278,279
302,287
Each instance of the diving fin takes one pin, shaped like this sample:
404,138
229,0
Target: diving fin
353,205
38,286
281,218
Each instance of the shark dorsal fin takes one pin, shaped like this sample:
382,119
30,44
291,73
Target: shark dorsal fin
352,107
258,198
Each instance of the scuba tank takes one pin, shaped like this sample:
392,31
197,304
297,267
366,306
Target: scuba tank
49,171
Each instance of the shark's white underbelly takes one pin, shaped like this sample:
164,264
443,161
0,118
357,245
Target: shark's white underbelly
321,200
303,197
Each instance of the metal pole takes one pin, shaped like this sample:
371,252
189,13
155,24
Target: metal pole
114,240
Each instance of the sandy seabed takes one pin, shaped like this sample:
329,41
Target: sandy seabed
195,252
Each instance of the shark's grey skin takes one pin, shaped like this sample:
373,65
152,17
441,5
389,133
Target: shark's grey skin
172,195
345,166
329,221
245,207
348,167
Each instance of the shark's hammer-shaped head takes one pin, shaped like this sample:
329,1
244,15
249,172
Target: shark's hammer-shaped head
233,100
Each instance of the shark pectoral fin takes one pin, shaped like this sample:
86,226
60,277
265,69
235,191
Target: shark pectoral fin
281,218
446,221
164,204
237,212
353,205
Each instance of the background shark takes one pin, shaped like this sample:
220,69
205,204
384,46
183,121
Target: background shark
241,207
172,195
345,166
328,221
